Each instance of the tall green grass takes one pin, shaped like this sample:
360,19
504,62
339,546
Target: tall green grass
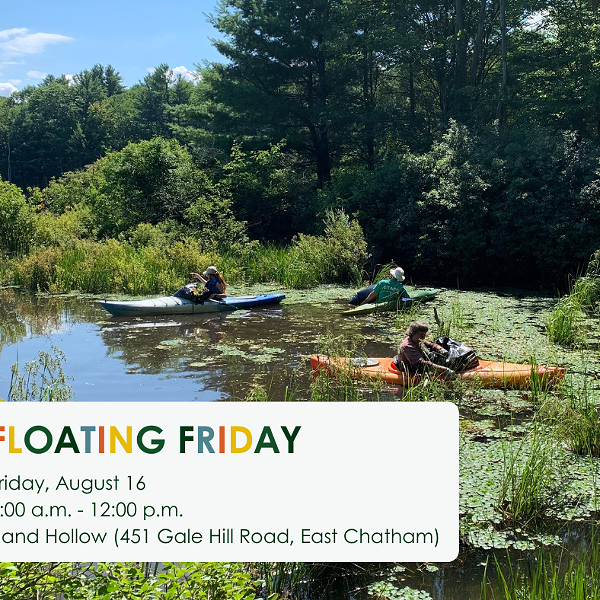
575,417
547,579
150,262
526,479
565,322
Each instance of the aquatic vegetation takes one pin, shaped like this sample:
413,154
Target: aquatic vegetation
576,418
526,484
565,324
149,261
43,380
546,578
386,590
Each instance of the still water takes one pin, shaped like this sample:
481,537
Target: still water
179,357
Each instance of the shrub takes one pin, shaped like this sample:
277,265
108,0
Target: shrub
17,219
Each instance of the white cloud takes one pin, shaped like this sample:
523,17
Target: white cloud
185,74
69,78
8,33
19,42
36,74
6,89
14,81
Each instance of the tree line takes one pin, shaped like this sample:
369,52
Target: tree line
463,135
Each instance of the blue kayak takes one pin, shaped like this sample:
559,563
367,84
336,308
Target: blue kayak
252,301
172,305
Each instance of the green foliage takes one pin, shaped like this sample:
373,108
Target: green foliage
111,266
42,581
133,581
145,182
17,220
158,259
564,322
65,229
336,256
273,184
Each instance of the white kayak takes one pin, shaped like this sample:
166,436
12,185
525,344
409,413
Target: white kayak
167,305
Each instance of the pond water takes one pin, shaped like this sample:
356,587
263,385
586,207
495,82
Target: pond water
228,356
179,357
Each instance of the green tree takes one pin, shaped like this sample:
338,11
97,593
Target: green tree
280,77
17,219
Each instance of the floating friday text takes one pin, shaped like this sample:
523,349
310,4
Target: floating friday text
39,439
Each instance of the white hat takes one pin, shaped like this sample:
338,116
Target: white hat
397,273
210,271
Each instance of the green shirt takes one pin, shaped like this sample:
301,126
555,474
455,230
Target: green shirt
389,290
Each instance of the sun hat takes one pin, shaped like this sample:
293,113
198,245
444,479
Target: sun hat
397,273
211,271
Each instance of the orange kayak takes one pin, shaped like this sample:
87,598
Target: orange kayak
487,373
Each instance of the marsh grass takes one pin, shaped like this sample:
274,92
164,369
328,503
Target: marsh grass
338,387
565,322
161,265
451,320
433,389
526,479
43,380
547,578
540,387
575,416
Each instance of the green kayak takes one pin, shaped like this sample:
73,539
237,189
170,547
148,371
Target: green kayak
415,296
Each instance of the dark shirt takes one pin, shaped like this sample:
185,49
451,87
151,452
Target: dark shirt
411,354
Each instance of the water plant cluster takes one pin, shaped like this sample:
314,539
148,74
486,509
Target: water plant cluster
567,324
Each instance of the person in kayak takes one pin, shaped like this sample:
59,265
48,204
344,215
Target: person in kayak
410,354
388,290
214,284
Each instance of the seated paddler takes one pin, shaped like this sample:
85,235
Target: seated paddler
388,290
410,355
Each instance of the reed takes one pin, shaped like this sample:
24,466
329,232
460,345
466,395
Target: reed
547,578
43,380
575,416
563,323
526,479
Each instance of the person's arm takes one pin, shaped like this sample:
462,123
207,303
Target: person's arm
415,358
371,296
432,365
433,346
441,368
198,277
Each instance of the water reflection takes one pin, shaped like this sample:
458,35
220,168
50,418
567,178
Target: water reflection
185,357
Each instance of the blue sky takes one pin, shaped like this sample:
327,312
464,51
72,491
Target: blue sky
64,37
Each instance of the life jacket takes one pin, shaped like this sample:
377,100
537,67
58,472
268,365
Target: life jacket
211,286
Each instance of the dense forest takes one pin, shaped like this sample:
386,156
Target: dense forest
462,137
